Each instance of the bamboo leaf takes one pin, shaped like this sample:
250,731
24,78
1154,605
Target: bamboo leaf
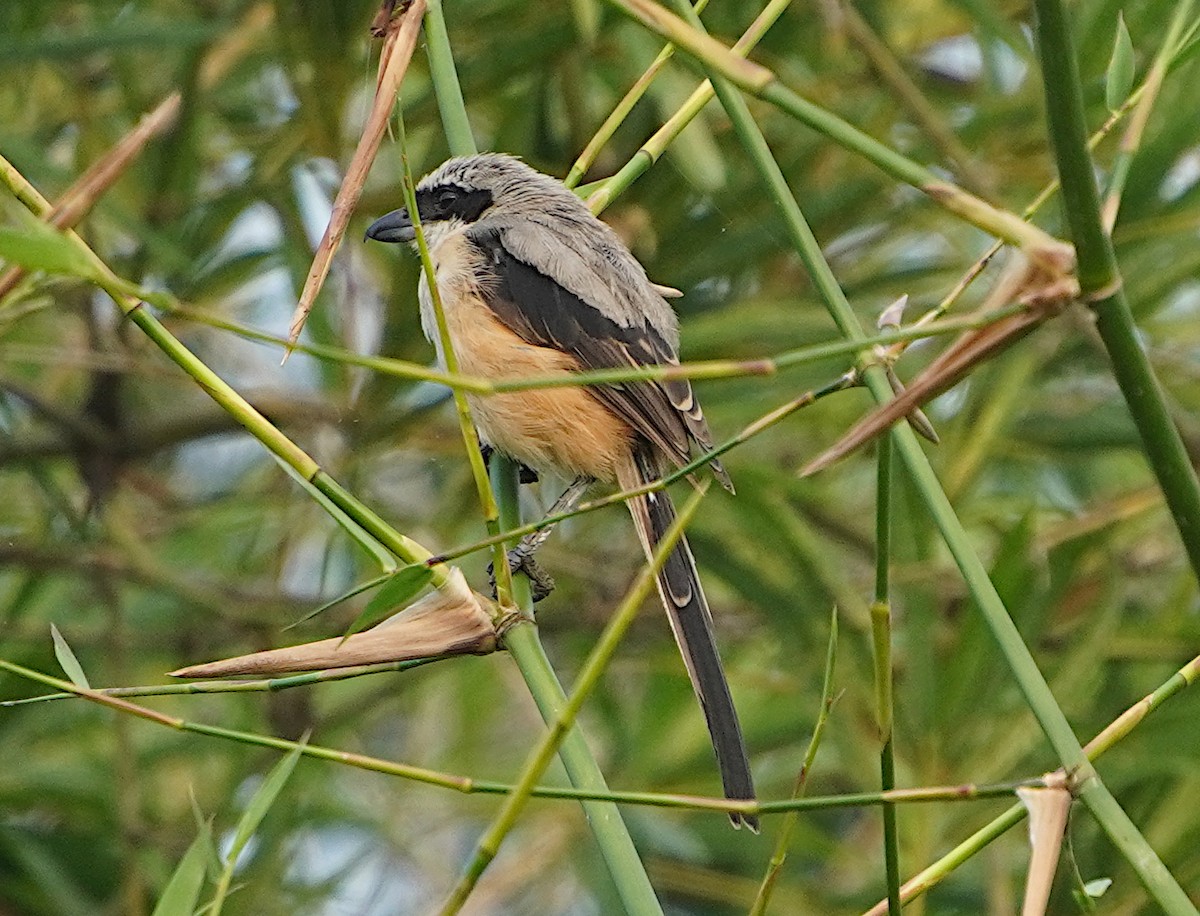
253,816
1118,79
182,893
364,539
398,590
344,596
39,247
67,660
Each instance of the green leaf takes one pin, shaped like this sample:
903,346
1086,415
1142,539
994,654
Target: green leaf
38,246
381,554
68,661
1118,80
397,590
344,596
259,805
182,893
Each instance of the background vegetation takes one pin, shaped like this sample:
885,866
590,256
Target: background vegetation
154,533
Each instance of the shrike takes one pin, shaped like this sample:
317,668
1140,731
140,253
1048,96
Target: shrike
532,284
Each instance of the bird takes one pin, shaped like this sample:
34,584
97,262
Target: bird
532,283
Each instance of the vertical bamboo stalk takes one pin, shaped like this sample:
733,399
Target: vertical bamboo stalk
881,639
1100,280
521,639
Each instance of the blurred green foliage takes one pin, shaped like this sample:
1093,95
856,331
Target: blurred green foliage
153,533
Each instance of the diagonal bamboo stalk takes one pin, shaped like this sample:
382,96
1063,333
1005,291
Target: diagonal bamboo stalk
762,83
589,675
1083,779
1116,731
220,391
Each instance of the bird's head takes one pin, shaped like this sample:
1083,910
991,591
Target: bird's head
466,189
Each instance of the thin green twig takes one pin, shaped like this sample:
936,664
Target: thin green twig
698,369
1106,740
784,840
259,685
1131,140
762,83
766,421
618,115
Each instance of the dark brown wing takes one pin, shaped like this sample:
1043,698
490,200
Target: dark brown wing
542,312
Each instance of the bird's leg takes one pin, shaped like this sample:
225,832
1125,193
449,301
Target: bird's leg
520,558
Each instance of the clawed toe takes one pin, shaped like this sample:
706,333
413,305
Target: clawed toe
541,582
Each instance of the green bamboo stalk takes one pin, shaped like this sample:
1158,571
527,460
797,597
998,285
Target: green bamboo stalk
453,110
783,841
618,115
762,83
589,675
1100,280
653,148
521,639
881,642
1085,781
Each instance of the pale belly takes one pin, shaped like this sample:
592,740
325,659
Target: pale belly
564,430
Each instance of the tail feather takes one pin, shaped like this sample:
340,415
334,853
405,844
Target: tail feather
691,622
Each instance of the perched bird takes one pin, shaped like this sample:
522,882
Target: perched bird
533,284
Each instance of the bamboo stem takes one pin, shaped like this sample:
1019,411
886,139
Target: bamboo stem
1100,281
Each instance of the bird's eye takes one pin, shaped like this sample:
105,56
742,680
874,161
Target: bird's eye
446,200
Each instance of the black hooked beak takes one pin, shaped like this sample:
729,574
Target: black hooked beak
394,227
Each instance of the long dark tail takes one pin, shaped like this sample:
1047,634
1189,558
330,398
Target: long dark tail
691,622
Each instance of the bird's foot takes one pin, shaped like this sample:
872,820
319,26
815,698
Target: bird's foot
521,560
